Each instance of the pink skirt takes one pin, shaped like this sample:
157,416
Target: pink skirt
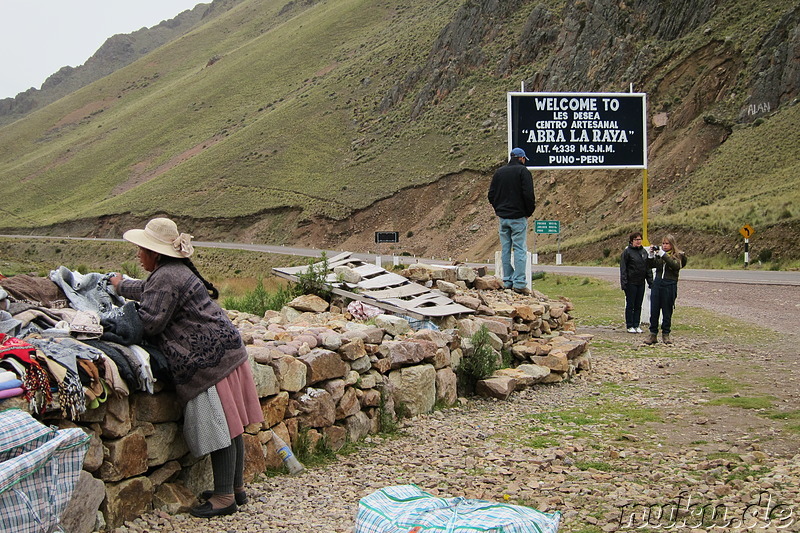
239,399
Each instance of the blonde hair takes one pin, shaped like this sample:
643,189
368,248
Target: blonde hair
670,238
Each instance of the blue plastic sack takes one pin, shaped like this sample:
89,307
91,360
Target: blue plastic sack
407,509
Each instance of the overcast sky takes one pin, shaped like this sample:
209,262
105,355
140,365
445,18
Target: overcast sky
38,37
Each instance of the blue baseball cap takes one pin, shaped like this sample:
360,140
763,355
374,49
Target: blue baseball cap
518,152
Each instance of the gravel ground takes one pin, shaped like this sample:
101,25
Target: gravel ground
603,470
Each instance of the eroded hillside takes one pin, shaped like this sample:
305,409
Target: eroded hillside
319,123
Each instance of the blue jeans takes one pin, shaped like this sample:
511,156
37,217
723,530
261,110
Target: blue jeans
513,235
663,294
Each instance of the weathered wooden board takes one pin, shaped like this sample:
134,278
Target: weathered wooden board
383,289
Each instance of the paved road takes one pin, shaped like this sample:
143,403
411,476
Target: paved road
758,277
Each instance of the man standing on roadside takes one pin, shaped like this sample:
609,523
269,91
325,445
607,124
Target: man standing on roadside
511,196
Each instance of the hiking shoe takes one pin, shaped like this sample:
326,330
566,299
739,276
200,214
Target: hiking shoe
666,339
652,339
631,330
524,291
638,330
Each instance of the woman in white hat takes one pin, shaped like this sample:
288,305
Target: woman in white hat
206,355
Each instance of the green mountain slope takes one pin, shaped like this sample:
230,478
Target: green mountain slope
287,121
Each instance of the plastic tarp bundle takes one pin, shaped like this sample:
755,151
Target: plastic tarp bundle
407,509
39,467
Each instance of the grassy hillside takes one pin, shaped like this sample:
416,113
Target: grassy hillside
278,119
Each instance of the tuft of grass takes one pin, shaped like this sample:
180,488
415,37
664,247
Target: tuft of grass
477,363
745,402
602,466
258,301
311,453
541,441
717,385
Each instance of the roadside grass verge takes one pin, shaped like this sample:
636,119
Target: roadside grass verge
599,303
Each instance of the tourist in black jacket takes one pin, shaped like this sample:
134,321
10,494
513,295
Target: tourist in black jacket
633,273
511,196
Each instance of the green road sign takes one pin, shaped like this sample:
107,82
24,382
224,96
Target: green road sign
547,226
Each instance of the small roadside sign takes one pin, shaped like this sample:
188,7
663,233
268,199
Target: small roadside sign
386,236
547,226
747,231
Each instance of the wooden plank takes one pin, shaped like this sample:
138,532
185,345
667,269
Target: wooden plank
385,290
442,310
388,306
369,270
383,281
403,291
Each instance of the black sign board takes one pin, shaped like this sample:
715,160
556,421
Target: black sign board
579,130
386,236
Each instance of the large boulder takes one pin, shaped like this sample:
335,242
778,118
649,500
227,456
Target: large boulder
415,388
323,364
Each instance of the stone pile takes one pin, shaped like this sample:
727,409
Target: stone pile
323,375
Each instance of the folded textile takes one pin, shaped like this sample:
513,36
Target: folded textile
90,378
61,359
144,372
87,292
112,376
159,365
35,290
7,375
70,391
123,366
9,324
86,325
10,393
18,353
11,384
122,325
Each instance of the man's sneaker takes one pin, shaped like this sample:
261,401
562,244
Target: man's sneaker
631,330
524,290
638,330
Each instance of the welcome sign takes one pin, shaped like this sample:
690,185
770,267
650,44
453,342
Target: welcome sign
579,130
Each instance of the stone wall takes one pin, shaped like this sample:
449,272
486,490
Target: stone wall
322,374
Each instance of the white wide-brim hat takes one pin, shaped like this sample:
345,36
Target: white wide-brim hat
161,235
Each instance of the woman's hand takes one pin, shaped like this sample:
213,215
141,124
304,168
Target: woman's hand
115,279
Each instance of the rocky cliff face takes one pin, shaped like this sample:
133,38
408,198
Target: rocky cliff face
593,45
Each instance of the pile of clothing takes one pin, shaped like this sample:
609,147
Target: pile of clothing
68,341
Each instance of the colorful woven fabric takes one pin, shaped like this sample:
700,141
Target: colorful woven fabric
39,469
406,509
35,380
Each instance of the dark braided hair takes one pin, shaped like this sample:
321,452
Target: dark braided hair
212,290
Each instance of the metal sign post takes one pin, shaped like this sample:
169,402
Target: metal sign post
747,231
384,237
549,227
